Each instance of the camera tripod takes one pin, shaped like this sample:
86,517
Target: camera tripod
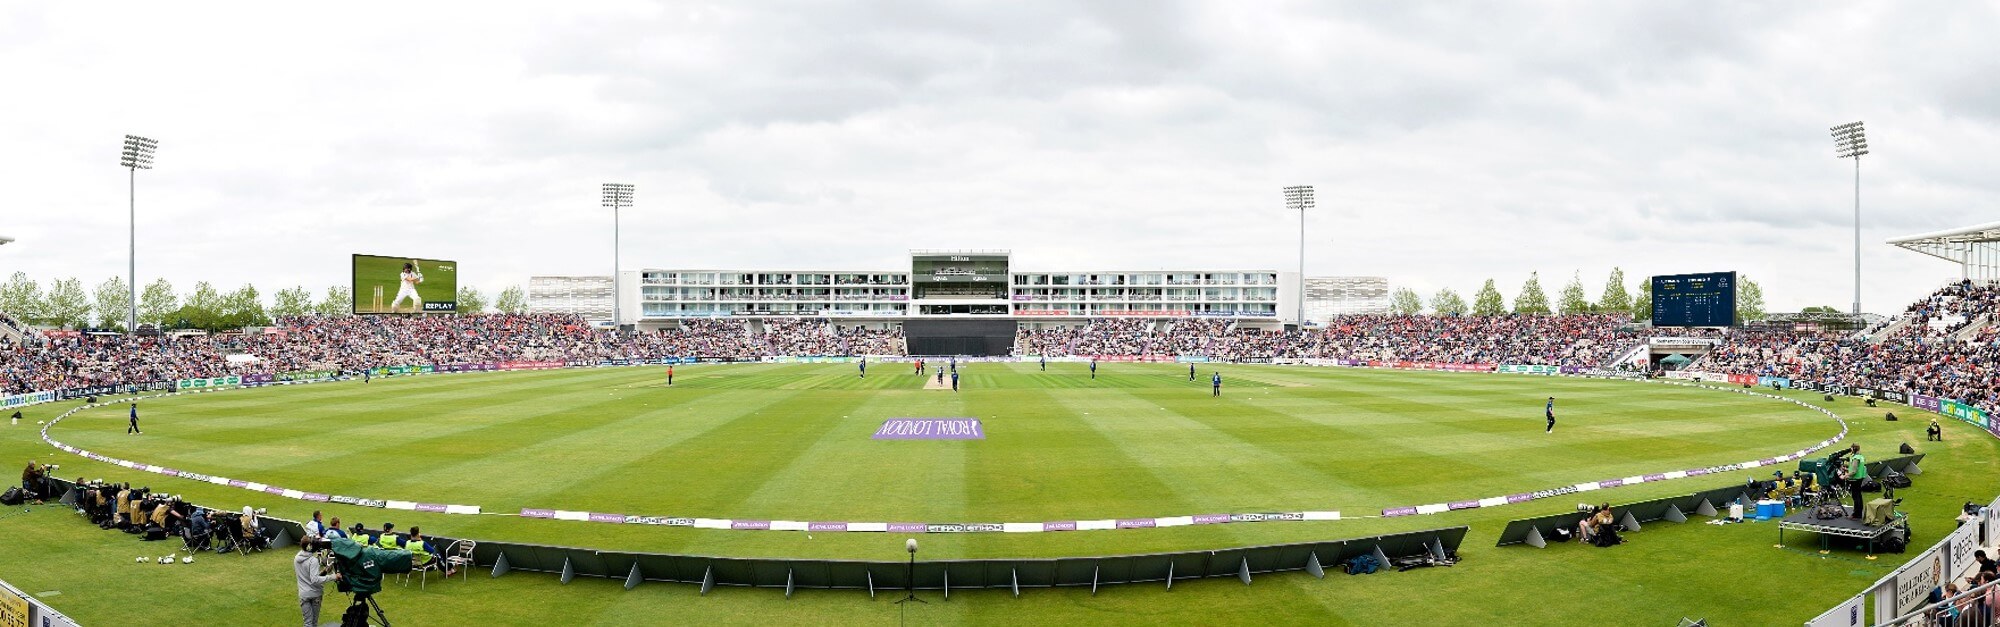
369,601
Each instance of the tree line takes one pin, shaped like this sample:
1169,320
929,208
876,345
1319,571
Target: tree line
1613,299
67,304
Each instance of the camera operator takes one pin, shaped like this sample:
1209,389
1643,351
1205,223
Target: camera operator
33,480
312,575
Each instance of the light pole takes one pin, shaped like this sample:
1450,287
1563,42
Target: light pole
138,155
616,195
1300,197
1850,141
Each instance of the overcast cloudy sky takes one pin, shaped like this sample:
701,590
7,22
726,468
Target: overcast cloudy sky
1449,142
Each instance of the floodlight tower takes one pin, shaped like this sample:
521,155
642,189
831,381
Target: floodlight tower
138,155
1850,141
1300,197
616,195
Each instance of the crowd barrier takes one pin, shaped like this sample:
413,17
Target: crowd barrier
1535,531
791,574
1013,574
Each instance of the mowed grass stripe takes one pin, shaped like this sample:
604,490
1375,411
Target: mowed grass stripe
846,475
1048,458
617,439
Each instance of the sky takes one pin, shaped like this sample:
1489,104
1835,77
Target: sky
1449,142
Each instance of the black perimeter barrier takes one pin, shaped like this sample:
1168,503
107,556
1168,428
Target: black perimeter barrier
1535,531
978,338
790,574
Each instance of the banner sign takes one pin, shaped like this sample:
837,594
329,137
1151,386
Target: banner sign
95,390
1529,369
1918,578
1161,313
13,609
308,375
31,398
1963,412
384,371
1930,403
930,429
214,382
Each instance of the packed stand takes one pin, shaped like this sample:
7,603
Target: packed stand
1920,358
803,337
354,343
1588,340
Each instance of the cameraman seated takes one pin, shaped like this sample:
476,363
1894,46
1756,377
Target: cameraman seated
32,480
253,535
1934,433
227,529
157,512
196,533
1603,528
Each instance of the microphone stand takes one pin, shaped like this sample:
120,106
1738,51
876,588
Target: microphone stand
910,582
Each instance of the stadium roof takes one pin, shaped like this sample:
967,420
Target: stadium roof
1976,249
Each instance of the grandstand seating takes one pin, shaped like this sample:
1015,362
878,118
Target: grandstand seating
1943,345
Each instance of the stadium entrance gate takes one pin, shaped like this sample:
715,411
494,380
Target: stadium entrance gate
977,338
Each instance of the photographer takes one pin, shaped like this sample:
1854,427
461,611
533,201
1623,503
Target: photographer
312,576
33,480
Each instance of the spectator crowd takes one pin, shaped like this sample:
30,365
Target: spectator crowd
1943,345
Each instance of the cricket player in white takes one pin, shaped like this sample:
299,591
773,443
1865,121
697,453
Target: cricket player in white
411,277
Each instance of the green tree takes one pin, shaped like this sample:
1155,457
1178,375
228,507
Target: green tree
1615,299
470,301
1405,302
66,305
1488,301
1822,309
244,308
1573,301
114,303
1448,303
1749,300
21,297
511,301
205,298
291,301
1642,307
339,302
1532,300
157,303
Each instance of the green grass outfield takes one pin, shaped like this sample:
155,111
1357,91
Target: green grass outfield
792,442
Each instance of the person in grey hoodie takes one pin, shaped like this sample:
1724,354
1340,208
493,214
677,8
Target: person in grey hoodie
311,583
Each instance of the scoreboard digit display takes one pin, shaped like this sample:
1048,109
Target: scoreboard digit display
1694,300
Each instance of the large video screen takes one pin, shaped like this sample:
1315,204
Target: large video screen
403,285
948,268
1694,300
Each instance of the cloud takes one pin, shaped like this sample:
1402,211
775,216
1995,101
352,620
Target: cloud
1450,142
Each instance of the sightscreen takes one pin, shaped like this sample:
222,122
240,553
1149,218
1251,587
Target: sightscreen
404,285
1694,300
